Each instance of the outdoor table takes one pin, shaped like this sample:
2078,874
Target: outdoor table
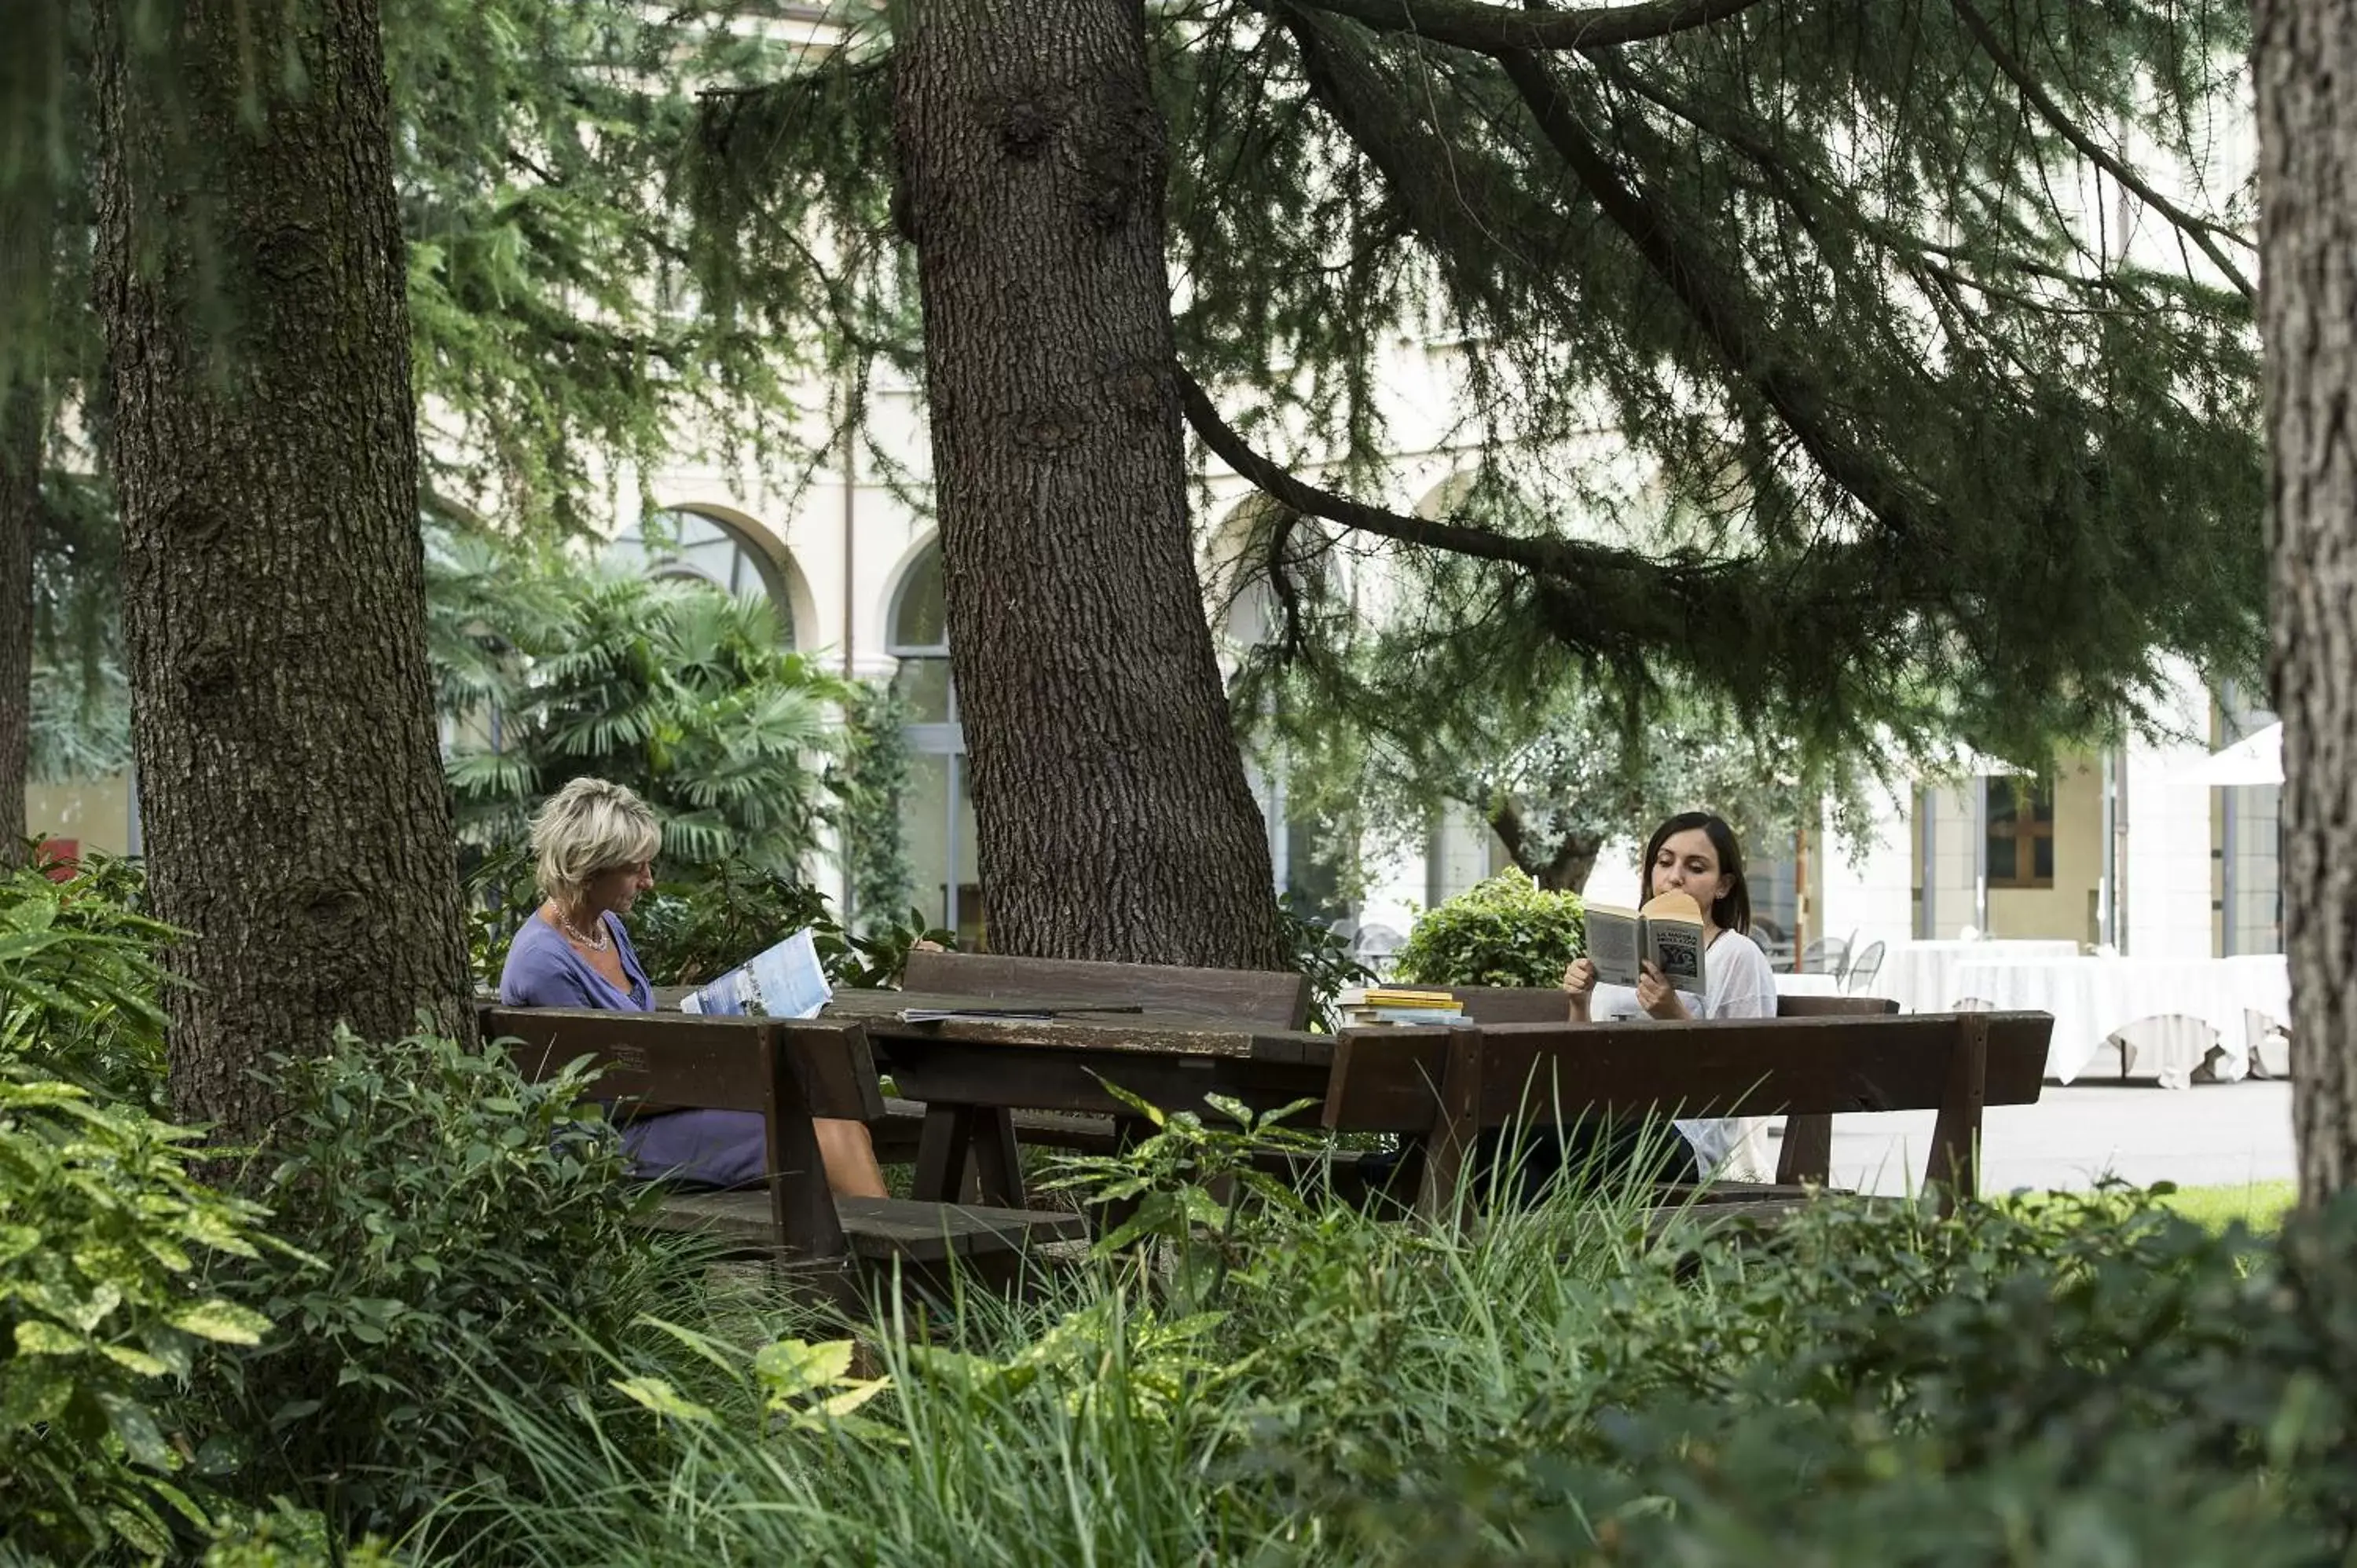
972,1071
1808,985
2093,998
1925,977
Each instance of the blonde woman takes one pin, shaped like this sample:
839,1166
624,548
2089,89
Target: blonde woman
595,845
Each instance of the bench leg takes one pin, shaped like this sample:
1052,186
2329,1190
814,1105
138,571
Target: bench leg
955,1135
1808,1154
1954,1168
940,1153
1443,1196
997,1163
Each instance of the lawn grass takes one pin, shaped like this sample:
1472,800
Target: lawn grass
2261,1204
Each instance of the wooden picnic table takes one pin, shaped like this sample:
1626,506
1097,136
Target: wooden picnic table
973,1073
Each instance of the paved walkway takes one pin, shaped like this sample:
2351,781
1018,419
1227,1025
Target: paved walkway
2209,1135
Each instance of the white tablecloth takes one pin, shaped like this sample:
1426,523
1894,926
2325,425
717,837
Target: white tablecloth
2092,998
1807,986
1921,977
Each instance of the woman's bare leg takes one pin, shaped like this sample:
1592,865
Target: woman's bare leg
849,1155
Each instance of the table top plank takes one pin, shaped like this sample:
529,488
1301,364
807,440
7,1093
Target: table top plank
1094,1026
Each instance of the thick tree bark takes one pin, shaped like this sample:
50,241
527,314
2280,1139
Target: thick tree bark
265,459
1115,821
2305,55
20,499
28,220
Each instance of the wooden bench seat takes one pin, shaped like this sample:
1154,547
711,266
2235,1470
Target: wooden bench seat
1446,1086
786,1071
1806,1156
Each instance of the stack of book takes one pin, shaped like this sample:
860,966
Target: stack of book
1394,1004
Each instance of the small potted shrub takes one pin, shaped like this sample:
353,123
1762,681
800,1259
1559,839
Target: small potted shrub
1507,931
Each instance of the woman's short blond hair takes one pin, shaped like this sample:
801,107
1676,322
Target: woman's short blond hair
589,827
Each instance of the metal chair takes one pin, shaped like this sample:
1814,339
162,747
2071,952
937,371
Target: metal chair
1826,955
1864,968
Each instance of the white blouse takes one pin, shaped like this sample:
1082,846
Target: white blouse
1738,982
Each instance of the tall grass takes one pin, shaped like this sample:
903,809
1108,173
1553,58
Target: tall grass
1093,1422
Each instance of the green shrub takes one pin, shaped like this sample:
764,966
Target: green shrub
459,1223
1507,931
2090,1382
288,1537
80,979
1320,951
102,1232
686,695
2087,1381
872,785
500,891
694,928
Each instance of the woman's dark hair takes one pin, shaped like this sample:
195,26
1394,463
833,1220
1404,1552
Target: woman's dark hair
1732,912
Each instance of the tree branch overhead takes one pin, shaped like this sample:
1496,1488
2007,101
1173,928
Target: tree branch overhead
1466,23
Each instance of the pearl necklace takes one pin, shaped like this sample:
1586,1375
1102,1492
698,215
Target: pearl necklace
602,942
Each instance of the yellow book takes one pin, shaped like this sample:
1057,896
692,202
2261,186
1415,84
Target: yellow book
1394,996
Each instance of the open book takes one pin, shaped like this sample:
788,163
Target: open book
1668,931
785,982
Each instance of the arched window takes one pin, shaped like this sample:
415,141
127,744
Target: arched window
729,555
937,812
921,641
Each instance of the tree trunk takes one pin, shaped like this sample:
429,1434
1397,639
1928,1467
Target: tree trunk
1564,871
29,220
250,284
20,499
2306,56
1116,822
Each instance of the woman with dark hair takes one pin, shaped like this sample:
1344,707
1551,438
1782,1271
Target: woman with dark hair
1696,854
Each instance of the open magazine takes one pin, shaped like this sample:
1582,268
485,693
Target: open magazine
1668,931
784,981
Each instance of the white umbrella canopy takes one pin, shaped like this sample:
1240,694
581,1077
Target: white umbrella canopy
2256,758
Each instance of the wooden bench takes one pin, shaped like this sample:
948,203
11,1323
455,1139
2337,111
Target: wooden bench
786,1071
1279,999
1807,1155
1447,1086
1808,1145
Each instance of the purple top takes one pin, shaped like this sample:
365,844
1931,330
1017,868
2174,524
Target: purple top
543,971
718,1148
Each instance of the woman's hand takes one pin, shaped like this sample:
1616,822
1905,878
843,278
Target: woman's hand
1655,995
1579,978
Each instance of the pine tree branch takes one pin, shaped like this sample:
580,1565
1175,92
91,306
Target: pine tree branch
1458,217
1468,24
1604,601
1725,320
1552,558
2203,234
